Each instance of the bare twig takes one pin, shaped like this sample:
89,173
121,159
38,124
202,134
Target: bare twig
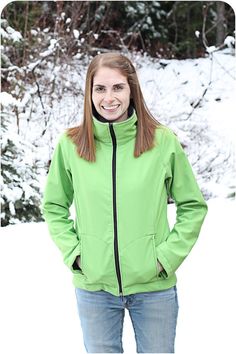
39,93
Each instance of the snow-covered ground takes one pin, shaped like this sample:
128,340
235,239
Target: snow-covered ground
38,312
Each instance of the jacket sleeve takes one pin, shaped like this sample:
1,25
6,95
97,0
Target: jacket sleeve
57,199
191,207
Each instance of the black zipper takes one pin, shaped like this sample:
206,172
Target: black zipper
116,251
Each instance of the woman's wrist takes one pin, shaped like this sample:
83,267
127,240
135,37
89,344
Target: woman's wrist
160,266
78,261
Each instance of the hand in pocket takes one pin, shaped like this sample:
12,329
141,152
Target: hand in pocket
78,261
159,266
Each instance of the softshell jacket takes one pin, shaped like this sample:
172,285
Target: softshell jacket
121,228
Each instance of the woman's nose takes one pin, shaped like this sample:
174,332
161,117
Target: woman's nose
108,96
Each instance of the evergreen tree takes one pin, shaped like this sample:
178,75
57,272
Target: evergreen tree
20,192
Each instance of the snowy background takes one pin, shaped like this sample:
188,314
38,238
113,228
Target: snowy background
196,98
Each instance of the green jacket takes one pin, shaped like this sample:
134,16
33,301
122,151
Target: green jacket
121,228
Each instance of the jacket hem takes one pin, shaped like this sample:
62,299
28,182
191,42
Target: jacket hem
162,284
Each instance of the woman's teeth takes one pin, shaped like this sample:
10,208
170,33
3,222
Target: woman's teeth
110,108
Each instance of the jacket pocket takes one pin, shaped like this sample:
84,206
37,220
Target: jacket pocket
138,261
78,270
97,261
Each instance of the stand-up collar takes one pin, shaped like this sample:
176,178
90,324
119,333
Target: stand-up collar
124,130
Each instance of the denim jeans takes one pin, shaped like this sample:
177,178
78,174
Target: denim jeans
153,316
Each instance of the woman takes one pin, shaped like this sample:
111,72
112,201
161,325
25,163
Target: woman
119,167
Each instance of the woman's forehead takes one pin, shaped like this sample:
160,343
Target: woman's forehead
107,75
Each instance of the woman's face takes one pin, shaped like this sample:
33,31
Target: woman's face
111,94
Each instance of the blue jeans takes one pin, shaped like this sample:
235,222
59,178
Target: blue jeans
153,316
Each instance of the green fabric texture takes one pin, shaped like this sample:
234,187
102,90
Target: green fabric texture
124,196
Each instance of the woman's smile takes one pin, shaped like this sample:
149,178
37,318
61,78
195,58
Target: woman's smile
112,108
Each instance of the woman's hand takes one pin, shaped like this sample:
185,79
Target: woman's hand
78,261
160,266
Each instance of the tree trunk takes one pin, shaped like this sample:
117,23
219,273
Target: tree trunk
220,26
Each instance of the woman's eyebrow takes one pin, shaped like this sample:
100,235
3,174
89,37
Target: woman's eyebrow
99,85
118,84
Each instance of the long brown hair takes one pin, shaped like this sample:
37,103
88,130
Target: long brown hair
82,135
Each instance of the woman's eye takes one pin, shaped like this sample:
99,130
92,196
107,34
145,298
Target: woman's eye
118,88
99,89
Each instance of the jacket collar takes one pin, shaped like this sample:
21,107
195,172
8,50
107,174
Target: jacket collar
124,131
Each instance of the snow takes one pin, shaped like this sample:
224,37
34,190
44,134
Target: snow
195,97
31,66
34,32
38,304
51,48
229,41
3,33
11,34
76,33
12,194
7,99
211,49
53,43
12,208
15,35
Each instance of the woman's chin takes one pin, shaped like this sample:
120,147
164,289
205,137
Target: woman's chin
114,117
